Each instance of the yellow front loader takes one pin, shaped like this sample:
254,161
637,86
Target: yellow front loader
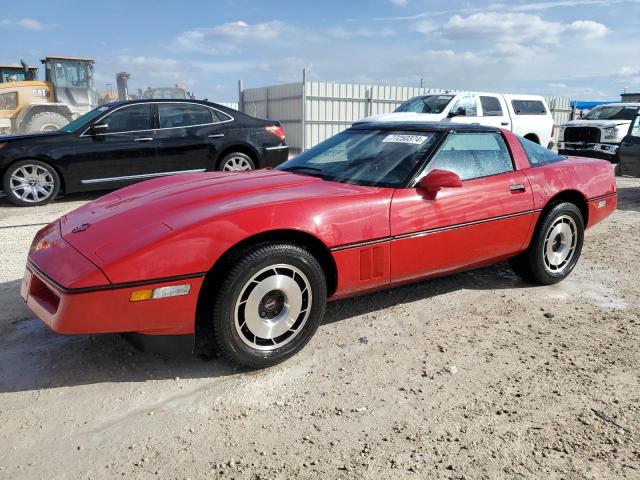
30,105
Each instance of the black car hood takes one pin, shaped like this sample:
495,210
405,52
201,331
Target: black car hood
28,136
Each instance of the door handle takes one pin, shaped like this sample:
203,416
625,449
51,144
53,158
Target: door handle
143,139
216,135
504,123
518,187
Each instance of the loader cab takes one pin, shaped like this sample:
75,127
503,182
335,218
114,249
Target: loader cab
72,82
17,73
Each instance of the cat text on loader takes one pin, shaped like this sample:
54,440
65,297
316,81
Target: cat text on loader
31,105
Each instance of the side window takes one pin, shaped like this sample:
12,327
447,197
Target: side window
635,127
490,107
537,154
173,115
129,119
466,106
473,155
219,116
528,107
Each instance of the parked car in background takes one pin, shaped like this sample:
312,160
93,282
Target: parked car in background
126,142
630,150
246,260
599,133
524,115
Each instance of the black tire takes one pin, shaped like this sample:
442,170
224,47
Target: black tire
40,178
536,264
45,121
236,161
248,276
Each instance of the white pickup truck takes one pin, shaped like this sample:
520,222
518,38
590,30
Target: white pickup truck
599,132
525,115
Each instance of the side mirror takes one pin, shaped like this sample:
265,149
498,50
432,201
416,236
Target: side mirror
459,112
437,179
99,128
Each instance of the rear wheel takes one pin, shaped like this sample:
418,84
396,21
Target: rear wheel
555,247
269,304
45,122
30,183
237,161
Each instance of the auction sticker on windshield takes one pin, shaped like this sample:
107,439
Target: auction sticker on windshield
412,139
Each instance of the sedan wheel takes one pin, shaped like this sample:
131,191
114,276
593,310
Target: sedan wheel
31,183
269,304
236,162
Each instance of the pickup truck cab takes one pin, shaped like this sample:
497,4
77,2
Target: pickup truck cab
525,115
599,133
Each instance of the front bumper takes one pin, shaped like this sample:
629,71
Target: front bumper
606,151
109,309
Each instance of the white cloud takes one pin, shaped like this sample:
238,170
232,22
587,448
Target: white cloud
243,31
424,27
518,28
400,3
538,6
30,24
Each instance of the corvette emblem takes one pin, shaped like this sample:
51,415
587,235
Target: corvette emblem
81,228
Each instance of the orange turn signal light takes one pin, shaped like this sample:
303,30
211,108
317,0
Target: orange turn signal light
140,295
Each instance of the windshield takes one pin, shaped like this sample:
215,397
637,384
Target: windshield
426,104
381,158
72,73
612,112
83,119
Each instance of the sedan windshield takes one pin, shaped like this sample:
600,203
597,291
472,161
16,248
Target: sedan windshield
83,119
612,112
365,157
426,104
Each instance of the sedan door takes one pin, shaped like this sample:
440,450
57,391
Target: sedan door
630,151
190,136
487,219
122,151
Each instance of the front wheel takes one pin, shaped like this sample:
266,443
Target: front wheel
30,183
269,304
555,247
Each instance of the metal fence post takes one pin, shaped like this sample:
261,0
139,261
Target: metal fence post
370,102
240,96
303,109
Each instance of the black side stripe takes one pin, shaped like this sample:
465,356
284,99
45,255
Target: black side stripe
421,233
602,197
113,286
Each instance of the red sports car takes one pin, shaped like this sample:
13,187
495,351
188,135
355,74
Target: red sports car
247,260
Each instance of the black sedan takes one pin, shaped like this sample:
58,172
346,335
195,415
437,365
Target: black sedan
630,151
126,142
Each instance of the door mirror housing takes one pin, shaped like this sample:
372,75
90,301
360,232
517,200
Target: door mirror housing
437,179
99,128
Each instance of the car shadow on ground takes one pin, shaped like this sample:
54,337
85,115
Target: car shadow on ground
629,199
33,357
74,197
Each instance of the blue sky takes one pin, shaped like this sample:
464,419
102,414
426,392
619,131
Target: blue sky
586,49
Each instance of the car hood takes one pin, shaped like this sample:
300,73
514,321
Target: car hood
403,117
596,123
143,213
29,136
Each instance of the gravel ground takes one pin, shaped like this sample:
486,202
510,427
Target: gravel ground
476,375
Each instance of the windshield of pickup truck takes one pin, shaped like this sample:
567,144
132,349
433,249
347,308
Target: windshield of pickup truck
426,104
612,112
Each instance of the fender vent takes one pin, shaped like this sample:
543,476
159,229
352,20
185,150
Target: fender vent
371,263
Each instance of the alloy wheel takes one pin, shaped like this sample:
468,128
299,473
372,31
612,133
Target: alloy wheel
32,183
273,307
235,164
560,244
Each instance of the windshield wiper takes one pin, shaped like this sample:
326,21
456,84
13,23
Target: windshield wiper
302,168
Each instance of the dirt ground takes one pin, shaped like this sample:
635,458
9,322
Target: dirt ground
472,376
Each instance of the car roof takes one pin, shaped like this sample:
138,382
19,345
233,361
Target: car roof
619,104
118,103
425,126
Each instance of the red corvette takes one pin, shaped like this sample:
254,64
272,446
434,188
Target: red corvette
246,260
